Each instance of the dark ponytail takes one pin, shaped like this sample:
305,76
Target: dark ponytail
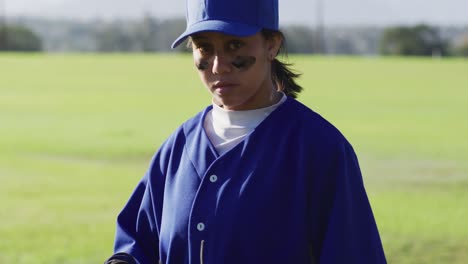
281,74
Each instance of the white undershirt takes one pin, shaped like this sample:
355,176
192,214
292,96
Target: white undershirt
226,128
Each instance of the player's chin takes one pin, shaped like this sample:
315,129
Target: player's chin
227,102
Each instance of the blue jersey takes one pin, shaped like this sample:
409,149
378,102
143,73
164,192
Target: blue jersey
291,192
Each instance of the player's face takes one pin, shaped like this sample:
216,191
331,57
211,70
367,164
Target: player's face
236,70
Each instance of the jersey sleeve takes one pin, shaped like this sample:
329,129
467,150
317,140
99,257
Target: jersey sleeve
350,233
137,233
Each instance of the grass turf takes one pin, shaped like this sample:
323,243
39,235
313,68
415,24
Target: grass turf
77,133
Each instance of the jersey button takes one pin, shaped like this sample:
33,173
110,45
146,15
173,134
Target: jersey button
213,178
201,227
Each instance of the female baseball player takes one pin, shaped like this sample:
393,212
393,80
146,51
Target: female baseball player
255,178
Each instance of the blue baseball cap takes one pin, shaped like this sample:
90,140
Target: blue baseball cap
232,17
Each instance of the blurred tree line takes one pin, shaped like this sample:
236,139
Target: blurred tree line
153,35
420,40
18,38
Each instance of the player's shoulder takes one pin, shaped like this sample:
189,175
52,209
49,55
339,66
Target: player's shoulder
315,131
190,126
312,122
195,122
174,145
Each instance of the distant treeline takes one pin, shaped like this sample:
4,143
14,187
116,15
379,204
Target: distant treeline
153,35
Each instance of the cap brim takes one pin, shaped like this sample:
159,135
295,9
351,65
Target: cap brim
229,28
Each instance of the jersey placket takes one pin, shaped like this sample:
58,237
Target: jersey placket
202,216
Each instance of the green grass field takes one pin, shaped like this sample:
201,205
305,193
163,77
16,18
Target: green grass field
77,133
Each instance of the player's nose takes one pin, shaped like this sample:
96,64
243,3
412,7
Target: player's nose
221,64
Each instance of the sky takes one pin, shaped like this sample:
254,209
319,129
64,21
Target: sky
335,12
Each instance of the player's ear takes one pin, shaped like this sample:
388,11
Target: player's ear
273,44
189,44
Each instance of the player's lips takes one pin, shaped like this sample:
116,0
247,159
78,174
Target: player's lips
223,85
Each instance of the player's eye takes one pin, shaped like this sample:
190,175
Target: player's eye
234,45
202,47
